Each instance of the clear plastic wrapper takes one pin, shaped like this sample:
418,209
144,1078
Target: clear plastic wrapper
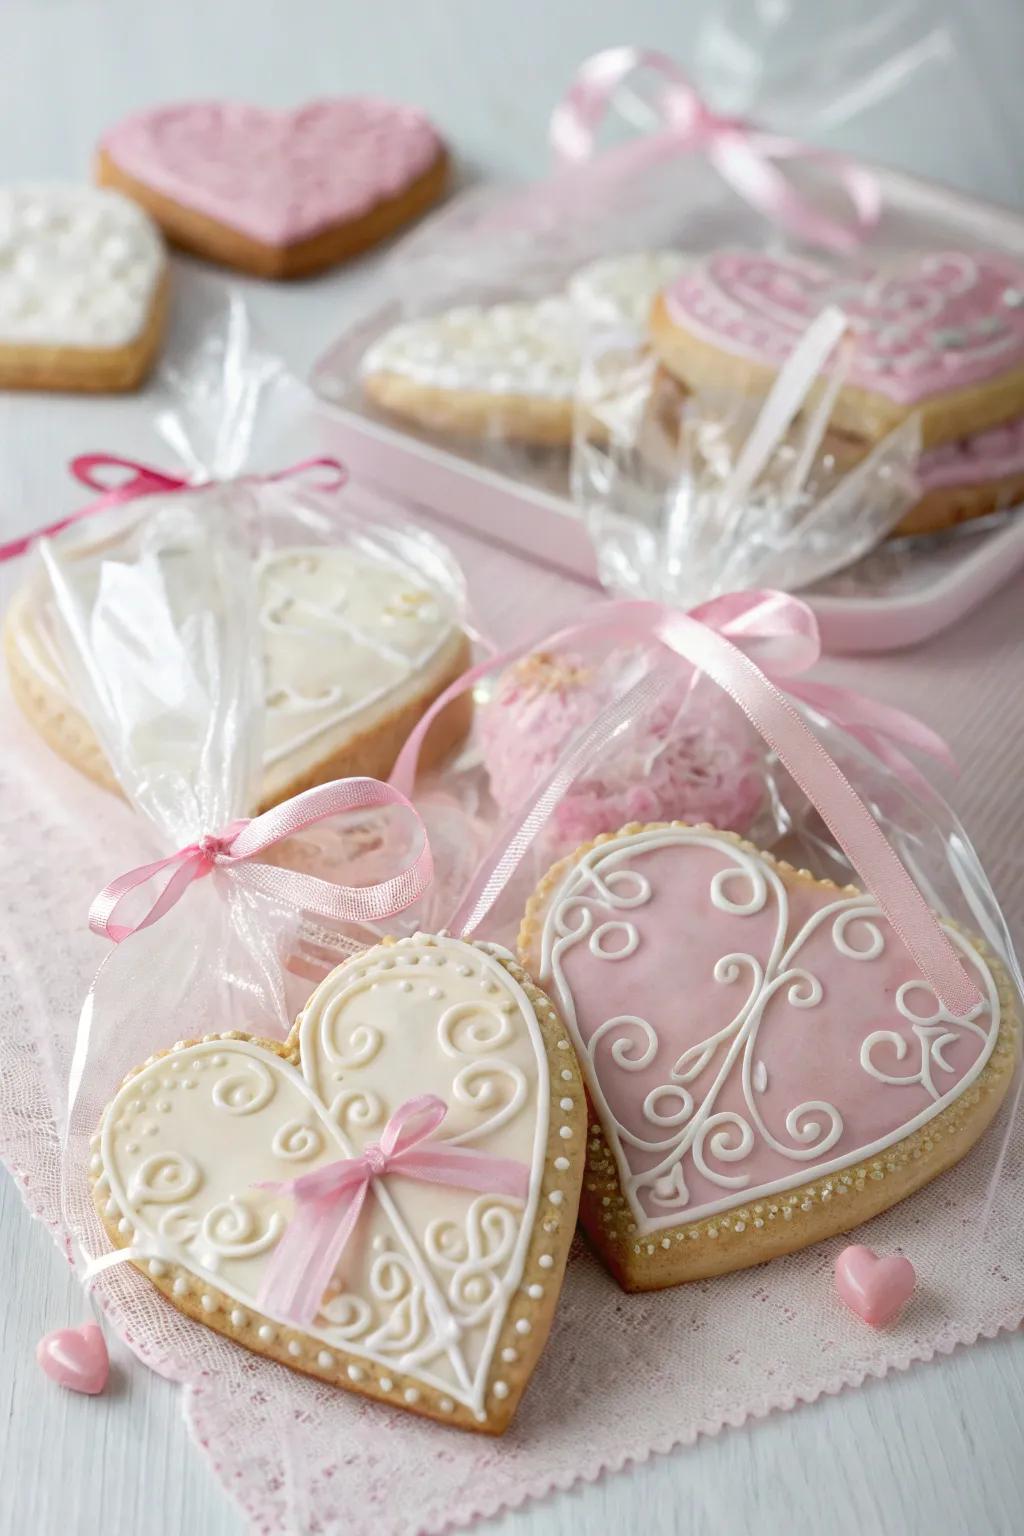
203,640
922,902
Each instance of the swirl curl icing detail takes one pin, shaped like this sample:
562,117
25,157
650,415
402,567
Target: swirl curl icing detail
932,324
744,1068
189,1141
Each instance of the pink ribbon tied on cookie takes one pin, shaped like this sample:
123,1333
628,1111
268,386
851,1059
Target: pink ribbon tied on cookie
330,1199
235,848
145,480
742,154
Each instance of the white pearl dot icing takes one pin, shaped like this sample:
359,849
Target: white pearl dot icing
619,290
530,348
78,267
527,348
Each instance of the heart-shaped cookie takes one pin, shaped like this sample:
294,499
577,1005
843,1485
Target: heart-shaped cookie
279,194
766,1063
353,652
442,1298
940,333
82,289
509,370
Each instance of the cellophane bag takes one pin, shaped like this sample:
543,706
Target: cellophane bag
196,625
517,325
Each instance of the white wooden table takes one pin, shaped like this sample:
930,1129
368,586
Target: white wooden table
937,1450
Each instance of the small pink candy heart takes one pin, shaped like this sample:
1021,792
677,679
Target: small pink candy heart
75,1358
874,1288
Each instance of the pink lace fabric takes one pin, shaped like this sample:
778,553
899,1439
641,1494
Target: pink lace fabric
622,1376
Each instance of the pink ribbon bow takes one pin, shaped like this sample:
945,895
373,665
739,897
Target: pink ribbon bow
145,480
743,155
236,846
330,1199
747,642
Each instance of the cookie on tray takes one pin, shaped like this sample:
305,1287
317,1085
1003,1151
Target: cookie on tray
509,371
765,1065
83,289
353,653
441,1297
277,194
941,335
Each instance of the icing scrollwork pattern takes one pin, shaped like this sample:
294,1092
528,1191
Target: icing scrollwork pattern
199,1154
709,1113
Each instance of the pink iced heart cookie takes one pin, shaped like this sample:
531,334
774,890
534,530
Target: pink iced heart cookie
874,1288
75,1358
766,1065
278,194
942,334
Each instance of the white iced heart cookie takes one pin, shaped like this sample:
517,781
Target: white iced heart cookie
503,370
619,290
353,652
765,1060
82,289
510,370
443,1296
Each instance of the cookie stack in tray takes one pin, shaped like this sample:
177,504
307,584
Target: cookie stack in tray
940,337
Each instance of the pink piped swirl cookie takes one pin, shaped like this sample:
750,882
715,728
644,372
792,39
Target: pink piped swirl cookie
935,323
698,764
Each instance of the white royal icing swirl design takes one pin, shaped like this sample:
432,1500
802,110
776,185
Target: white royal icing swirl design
756,1053
426,1287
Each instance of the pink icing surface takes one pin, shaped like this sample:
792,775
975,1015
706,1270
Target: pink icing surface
934,324
796,1056
994,455
278,177
701,763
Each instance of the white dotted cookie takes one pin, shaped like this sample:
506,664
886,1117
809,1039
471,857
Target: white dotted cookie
82,289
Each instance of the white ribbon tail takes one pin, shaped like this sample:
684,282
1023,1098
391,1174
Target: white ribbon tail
785,398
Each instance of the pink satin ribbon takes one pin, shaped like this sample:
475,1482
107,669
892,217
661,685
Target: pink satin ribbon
330,1199
145,480
743,155
235,848
746,642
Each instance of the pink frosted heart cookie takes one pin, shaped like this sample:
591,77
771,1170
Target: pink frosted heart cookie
766,1065
277,194
702,763
940,334
968,479
384,1201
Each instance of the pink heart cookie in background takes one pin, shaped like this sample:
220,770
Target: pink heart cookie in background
940,334
766,1064
876,1289
75,1358
691,757
277,193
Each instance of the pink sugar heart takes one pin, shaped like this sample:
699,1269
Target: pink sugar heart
75,1358
875,1288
